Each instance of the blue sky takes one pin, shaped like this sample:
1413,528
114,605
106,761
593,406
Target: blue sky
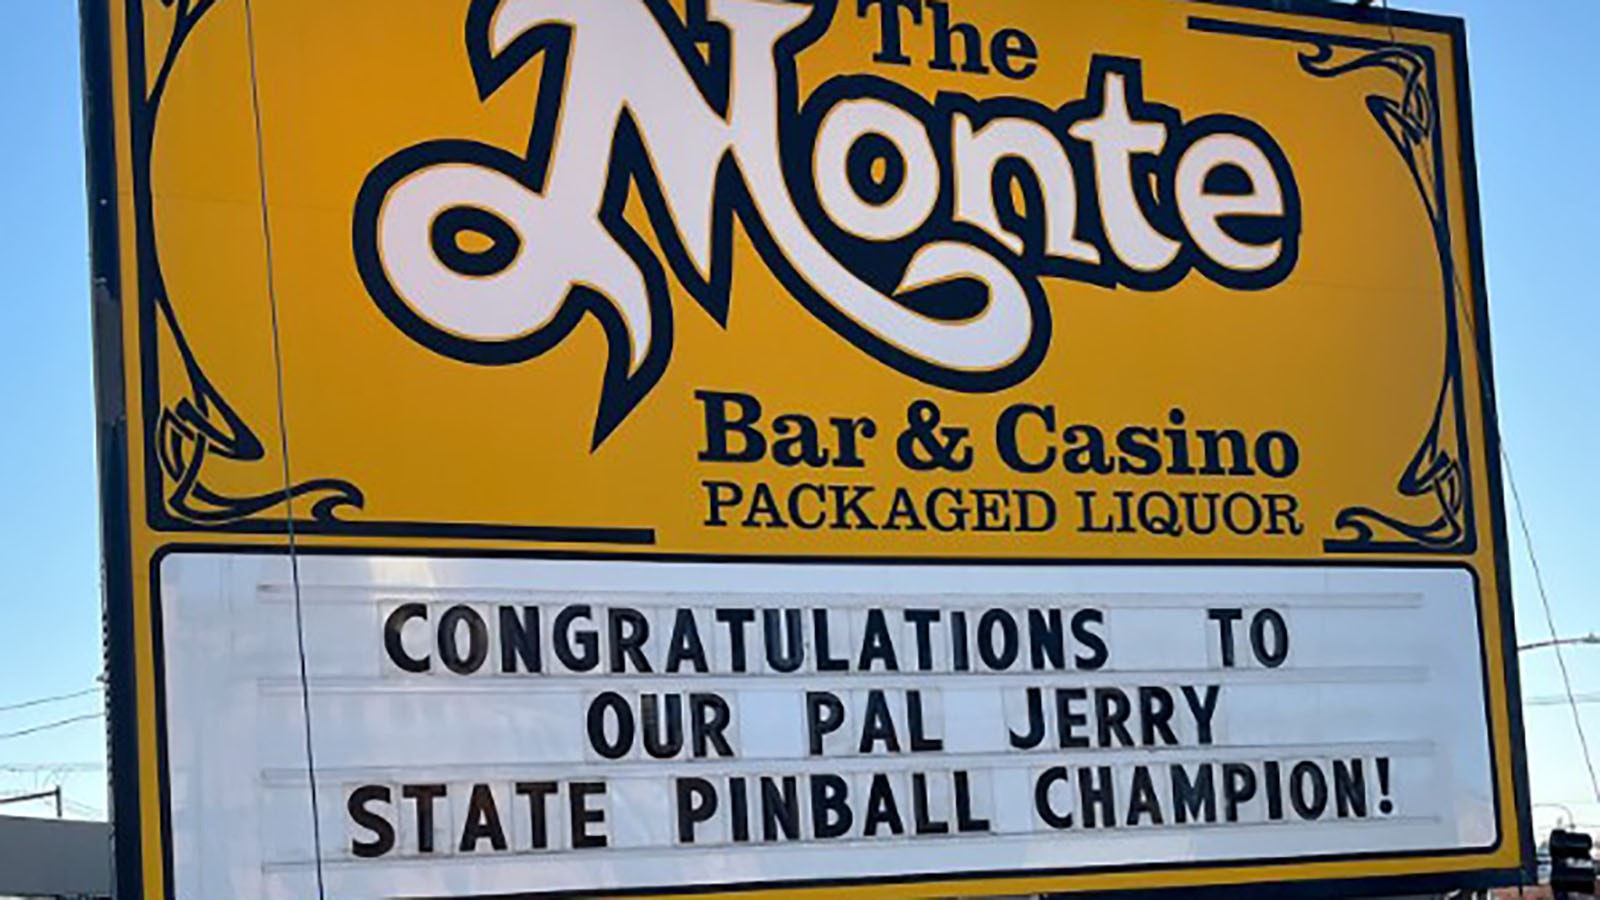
1534,70
49,541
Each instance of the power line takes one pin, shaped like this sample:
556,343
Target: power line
283,438
65,768
49,726
83,809
1486,393
44,701
1550,620
1561,699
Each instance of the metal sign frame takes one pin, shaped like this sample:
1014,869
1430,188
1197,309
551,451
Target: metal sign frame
133,631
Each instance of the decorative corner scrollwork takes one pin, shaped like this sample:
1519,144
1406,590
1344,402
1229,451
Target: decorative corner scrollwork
194,424
1411,120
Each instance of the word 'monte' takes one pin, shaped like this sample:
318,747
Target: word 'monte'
918,229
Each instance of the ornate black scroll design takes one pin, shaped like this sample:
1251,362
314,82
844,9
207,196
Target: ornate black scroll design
1439,467
1411,119
196,425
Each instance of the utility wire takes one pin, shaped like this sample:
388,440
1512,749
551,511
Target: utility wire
283,436
88,810
65,768
1486,391
50,726
44,701
1562,700
1550,620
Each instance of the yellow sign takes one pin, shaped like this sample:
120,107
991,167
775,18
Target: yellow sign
1110,380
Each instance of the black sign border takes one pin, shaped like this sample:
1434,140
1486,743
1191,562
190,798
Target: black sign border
119,606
